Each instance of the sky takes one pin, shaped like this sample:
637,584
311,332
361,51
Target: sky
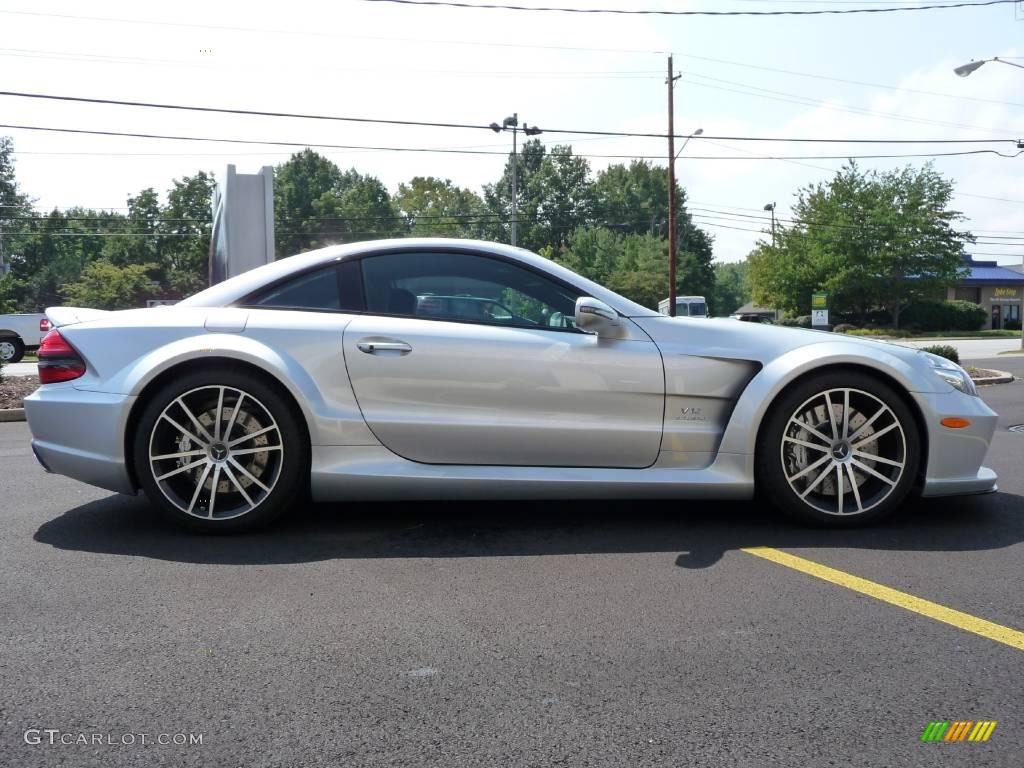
870,76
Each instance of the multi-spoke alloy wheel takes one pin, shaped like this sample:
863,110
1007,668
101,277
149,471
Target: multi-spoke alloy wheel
845,450
213,444
218,454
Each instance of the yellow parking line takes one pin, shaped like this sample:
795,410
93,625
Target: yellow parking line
1011,637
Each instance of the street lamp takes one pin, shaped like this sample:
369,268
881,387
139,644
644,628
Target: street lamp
964,70
698,132
512,123
771,207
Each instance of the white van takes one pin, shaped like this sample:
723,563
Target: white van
686,306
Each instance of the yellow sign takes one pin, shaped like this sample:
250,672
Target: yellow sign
819,301
1006,293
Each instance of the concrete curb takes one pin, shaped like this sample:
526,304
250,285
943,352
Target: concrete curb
12,414
1002,377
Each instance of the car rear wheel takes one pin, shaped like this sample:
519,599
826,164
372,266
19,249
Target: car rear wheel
11,350
839,449
220,451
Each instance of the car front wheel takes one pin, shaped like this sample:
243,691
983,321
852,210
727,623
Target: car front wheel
839,449
220,451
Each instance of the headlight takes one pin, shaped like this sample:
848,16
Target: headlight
952,373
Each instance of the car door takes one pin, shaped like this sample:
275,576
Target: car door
465,358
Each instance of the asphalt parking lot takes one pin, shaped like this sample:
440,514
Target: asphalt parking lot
513,634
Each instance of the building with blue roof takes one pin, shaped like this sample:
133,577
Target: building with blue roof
997,289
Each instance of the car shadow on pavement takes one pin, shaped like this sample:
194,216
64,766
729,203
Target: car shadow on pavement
700,531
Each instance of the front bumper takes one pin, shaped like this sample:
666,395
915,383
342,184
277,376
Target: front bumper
81,434
956,456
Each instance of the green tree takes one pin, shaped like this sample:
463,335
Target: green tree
185,228
298,184
358,207
14,209
317,204
869,239
632,198
107,286
641,274
635,265
498,197
137,240
563,194
53,249
433,207
732,287
7,301
593,252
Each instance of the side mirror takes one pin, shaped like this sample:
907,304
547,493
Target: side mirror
595,316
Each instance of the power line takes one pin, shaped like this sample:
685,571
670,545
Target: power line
660,12
227,111
473,126
498,152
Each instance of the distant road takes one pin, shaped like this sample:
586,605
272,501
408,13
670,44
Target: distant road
970,349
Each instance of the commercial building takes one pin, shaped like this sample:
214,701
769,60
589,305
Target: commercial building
997,289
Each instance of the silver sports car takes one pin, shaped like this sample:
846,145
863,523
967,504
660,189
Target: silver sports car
455,369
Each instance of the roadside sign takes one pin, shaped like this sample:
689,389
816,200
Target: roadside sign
819,317
819,301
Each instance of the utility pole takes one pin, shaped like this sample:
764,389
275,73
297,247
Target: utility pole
671,192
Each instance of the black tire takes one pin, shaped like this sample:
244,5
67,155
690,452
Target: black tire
14,347
282,447
846,488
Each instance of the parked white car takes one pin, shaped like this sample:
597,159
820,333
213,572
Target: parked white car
21,332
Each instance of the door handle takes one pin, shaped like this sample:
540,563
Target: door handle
376,347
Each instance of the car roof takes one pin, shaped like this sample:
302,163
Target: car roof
236,288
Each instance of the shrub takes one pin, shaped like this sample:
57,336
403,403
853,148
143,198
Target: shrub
803,321
844,328
1011,325
888,332
944,350
944,316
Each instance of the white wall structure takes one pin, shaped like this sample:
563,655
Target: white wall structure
243,223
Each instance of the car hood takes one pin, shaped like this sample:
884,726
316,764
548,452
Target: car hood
734,339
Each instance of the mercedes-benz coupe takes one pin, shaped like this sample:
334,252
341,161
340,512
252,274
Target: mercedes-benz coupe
455,369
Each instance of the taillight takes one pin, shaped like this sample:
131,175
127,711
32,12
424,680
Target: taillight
44,325
58,360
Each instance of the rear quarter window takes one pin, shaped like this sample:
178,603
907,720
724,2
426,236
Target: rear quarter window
337,287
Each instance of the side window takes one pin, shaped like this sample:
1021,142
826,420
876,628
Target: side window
467,288
337,287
